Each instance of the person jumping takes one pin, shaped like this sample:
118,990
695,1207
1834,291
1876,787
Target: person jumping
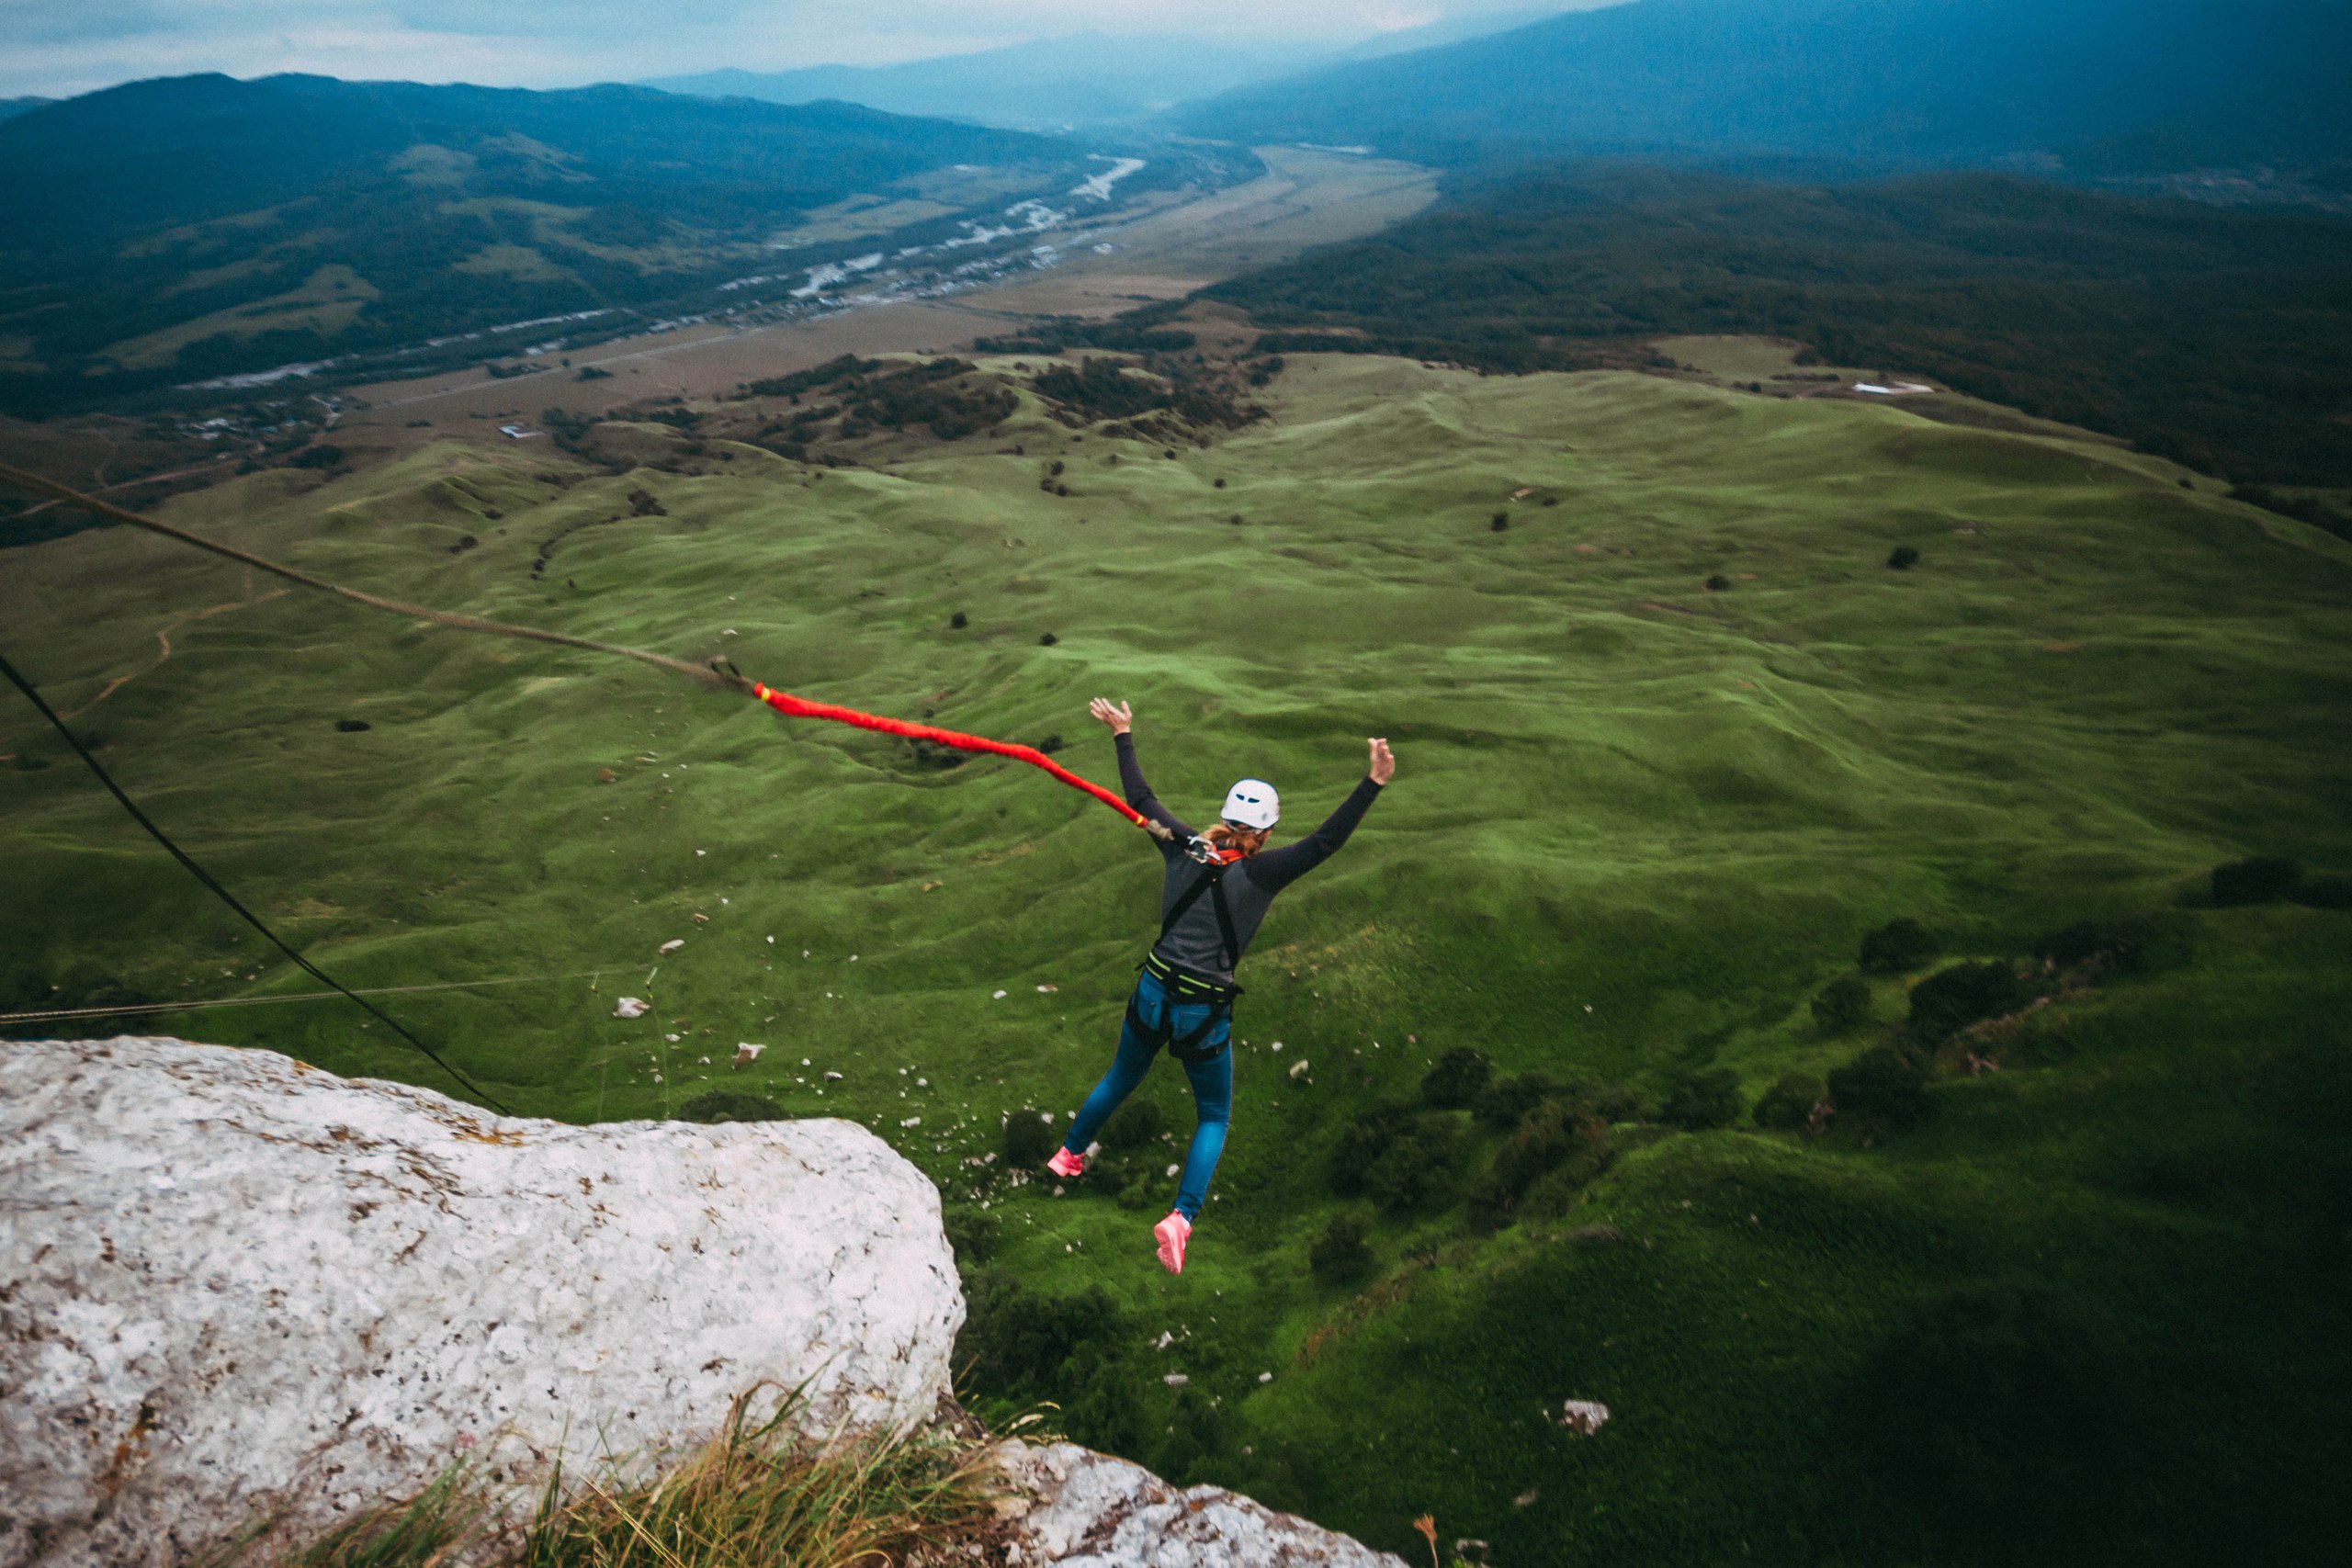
1215,891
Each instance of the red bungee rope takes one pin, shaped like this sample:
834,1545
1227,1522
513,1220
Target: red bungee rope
801,707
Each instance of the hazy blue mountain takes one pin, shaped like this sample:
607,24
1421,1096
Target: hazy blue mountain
1054,83
11,108
2147,83
171,229
1087,79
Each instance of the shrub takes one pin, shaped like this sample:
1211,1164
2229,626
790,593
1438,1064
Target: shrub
1903,557
1558,1148
973,1233
1950,999
1019,1341
1898,945
1132,1125
2324,892
1555,1191
1367,1135
729,1105
958,621
1601,1102
1338,1256
2003,1408
1843,1004
1718,583
1708,1098
1881,1092
1505,1101
325,455
1028,1139
2263,879
1788,1104
1414,1168
1457,1080
1047,640
1548,1136
1501,521
2120,945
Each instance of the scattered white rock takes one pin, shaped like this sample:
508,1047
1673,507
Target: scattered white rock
1584,1416
1175,1380
999,997
746,1052
671,946
912,1121
1172,1169
239,1285
1049,988
1298,1068
631,1007
832,1078
1088,1510
1265,1376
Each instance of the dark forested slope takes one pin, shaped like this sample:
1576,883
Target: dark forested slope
2212,336
195,225
2183,82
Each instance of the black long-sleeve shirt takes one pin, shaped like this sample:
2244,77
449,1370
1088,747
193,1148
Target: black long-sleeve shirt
1195,943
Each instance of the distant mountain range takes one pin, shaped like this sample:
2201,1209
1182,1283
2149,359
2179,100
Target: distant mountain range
2101,87
194,227
1058,83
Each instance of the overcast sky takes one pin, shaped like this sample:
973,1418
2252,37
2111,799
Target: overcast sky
57,47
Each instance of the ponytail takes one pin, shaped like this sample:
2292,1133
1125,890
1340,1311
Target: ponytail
1246,841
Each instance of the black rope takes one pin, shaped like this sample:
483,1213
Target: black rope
228,897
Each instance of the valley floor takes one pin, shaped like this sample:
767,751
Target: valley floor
1672,738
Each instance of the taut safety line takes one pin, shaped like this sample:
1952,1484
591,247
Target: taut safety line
229,898
717,672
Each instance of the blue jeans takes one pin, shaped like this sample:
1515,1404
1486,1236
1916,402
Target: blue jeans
1212,1087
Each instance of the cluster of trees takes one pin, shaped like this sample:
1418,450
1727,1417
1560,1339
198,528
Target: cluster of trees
2204,334
1098,389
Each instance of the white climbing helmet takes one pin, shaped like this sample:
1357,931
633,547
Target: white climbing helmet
1252,802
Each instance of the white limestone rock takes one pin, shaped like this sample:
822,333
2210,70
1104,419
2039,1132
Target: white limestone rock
231,1283
1075,1508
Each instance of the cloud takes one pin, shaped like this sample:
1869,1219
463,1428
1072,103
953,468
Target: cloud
57,49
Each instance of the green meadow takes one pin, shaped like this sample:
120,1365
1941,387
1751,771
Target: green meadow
2093,1306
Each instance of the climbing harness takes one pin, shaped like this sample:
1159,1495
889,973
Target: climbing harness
718,672
1182,987
1180,990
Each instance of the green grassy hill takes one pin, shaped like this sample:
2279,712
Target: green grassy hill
2091,1307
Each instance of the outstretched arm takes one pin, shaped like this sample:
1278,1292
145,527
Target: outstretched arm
1274,870
1121,721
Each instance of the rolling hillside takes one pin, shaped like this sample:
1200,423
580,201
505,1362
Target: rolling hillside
2210,336
1675,741
2105,86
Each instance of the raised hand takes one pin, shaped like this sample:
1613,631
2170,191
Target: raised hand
1116,714
1383,762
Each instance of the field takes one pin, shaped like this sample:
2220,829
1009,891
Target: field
1671,739
1180,242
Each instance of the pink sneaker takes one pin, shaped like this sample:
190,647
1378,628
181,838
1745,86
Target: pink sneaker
1066,1164
1173,1233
